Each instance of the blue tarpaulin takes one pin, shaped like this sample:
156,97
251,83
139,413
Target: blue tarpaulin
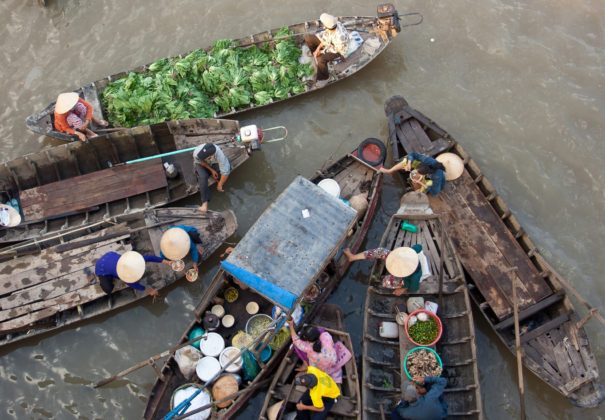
277,295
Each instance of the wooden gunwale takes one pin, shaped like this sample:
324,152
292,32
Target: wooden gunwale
382,369
86,301
547,352
330,274
329,317
41,122
66,162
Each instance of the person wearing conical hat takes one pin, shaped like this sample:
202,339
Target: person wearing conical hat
73,115
328,45
128,267
180,240
403,265
428,175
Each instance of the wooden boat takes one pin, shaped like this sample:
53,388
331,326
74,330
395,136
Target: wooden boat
495,251
383,373
78,185
382,28
56,287
282,388
299,254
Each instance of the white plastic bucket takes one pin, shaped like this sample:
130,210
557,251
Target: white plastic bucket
330,186
207,368
228,354
213,345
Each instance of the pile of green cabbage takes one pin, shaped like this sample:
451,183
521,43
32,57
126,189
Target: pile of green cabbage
204,84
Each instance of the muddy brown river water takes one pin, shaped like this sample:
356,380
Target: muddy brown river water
521,85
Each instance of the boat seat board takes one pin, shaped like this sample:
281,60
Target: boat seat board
291,250
50,266
344,406
487,249
56,286
92,189
532,310
411,133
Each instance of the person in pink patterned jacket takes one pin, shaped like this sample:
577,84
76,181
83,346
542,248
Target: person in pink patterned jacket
318,348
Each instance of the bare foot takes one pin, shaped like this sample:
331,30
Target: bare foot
348,254
203,208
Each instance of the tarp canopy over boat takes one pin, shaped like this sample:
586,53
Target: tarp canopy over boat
291,243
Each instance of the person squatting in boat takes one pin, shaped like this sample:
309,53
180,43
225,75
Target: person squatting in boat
328,45
73,115
422,400
316,347
428,175
209,160
404,265
128,267
178,241
319,397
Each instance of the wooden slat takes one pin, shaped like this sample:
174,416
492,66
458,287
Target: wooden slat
92,189
60,285
44,272
532,310
544,328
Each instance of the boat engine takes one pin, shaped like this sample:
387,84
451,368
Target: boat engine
251,135
388,18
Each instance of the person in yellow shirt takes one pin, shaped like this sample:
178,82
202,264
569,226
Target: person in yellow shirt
321,394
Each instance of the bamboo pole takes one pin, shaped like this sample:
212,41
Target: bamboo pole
519,353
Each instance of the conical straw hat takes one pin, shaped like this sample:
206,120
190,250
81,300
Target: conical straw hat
13,219
273,411
131,267
454,166
402,262
328,20
175,243
65,102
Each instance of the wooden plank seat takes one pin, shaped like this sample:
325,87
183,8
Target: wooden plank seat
481,238
85,191
416,138
532,310
544,328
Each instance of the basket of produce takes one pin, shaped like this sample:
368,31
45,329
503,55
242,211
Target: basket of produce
422,361
257,324
423,328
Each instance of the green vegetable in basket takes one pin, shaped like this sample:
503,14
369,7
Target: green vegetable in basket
424,332
280,339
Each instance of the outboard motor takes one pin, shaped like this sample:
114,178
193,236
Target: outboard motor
251,135
388,18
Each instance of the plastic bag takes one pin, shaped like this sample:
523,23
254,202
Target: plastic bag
415,303
249,366
187,358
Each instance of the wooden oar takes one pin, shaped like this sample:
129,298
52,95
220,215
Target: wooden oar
147,362
73,245
519,353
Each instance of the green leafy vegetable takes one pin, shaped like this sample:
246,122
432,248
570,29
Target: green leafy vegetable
424,332
205,83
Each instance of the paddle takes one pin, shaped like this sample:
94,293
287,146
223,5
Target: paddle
519,354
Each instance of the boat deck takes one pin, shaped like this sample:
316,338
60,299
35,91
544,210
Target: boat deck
384,377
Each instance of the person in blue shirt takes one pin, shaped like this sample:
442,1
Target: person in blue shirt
180,240
427,175
423,400
128,267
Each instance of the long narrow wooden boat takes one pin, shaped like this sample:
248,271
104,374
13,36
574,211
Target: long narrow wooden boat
383,373
282,388
381,29
495,251
55,287
295,252
80,184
